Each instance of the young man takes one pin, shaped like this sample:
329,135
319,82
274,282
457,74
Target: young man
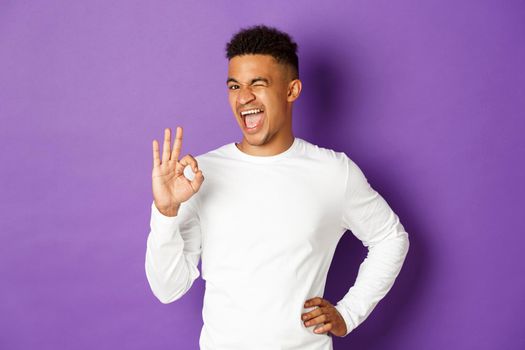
268,218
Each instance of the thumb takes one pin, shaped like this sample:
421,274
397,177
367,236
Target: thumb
197,181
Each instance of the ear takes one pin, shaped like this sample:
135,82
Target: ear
294,90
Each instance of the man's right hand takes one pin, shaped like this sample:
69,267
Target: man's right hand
170,186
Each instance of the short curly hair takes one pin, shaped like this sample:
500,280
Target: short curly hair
265,40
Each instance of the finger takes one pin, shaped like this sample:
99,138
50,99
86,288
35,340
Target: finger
198,179
156,157
189,160
166,146
324,328
314,313
319,319
317,301
177,144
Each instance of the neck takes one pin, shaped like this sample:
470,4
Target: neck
276,145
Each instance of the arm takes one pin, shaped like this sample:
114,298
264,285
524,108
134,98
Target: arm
174,242
371,220
173,252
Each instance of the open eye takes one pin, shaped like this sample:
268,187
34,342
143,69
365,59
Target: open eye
233,87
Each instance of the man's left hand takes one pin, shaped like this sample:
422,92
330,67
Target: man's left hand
325,313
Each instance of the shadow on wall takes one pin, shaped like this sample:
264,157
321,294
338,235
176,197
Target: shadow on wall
330,107
397,308
329,97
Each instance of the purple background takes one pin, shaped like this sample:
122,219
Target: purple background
428,98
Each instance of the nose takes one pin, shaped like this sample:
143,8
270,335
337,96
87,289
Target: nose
245,95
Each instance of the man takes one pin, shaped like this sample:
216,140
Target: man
268,218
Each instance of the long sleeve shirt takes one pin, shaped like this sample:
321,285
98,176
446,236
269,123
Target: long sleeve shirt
266,228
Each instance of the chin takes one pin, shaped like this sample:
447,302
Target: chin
258,139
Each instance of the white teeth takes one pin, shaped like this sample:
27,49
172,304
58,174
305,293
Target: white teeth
251,111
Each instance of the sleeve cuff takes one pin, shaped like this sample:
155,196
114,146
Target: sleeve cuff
161,223
346,316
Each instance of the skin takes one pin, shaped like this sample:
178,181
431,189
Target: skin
325,313
259,81
170,187
254,81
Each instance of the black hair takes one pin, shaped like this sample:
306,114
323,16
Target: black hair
261,39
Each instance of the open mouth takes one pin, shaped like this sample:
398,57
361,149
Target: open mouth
252,117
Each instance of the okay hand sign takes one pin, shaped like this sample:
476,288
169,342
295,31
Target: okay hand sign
170,186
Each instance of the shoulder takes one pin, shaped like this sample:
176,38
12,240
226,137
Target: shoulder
336,162
218,153
324,154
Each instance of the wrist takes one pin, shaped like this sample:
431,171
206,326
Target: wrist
169,211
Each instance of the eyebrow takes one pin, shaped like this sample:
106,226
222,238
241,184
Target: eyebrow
254,80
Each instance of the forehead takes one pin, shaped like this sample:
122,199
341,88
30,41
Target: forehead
246,66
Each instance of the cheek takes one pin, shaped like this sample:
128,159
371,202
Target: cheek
267,99
276,104
232,99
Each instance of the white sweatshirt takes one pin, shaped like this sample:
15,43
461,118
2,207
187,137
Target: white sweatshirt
266,228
